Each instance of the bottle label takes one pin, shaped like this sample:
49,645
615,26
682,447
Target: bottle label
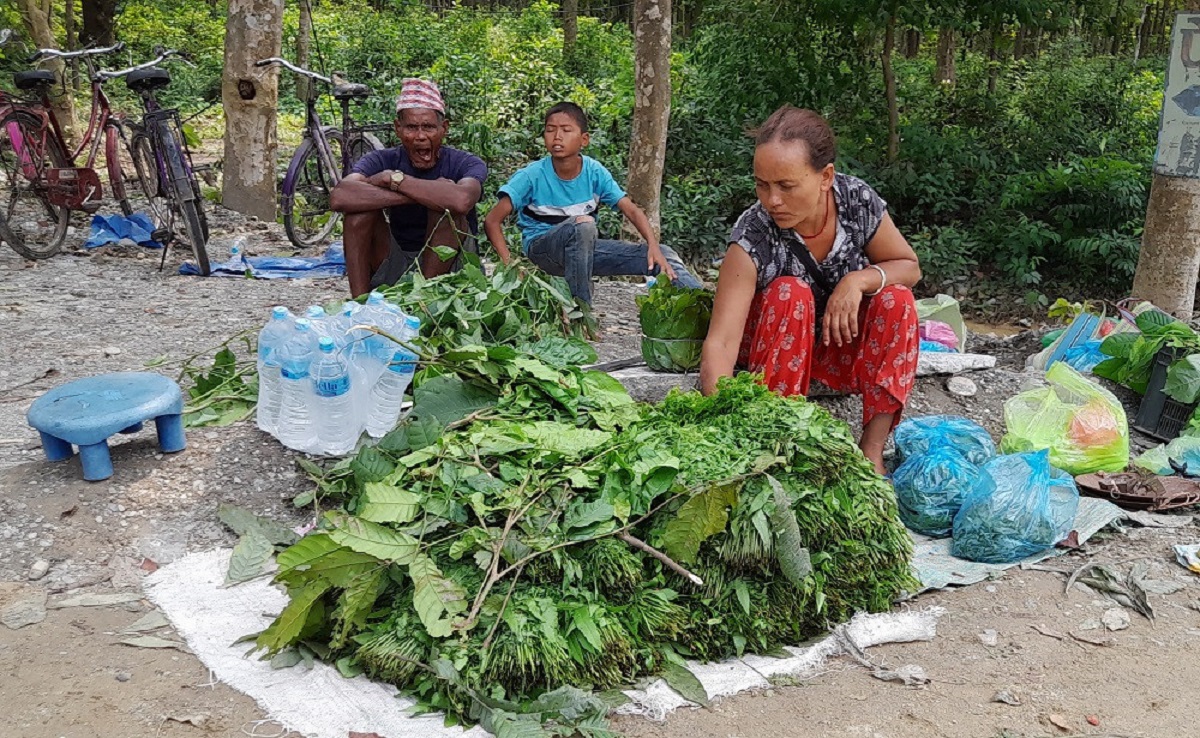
333,386
292,371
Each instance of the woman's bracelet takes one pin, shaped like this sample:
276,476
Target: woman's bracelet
882,279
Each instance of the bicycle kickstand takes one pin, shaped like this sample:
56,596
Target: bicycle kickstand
165,237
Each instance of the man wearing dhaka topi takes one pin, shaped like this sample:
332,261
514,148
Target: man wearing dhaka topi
401,203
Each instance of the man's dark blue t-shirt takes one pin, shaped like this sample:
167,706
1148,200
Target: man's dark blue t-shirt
409,222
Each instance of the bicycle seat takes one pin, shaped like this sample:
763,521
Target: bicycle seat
350,90
33,79
145,80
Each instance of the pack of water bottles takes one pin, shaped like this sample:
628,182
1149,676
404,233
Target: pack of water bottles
324,379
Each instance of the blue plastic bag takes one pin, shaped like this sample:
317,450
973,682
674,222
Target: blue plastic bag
1020,506
930,488
933,347
918,435
1085,356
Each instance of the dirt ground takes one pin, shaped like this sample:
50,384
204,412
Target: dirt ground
60,537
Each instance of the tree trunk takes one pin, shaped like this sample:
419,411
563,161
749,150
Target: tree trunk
1169,262
1170,257
1019,43
945,73
652,103
912,43
570,28
72,38
1117,28
993,63
1140,41
99,19
889,88
304,85
253,30
37,24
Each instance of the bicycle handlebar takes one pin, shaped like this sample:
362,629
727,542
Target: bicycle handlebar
162,56
56,54
292,67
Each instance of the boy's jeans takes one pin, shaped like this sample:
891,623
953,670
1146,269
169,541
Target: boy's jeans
576,252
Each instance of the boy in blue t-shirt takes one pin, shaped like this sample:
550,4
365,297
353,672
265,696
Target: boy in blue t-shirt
556,200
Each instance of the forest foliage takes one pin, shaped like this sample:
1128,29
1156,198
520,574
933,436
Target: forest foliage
1023,170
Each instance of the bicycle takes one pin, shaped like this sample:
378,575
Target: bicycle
31,138
315,169
39,173
163,161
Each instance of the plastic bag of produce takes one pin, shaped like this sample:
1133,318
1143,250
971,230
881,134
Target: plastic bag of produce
917,436
674,323
930,488
1080,423
1018,508
938,332
1155,461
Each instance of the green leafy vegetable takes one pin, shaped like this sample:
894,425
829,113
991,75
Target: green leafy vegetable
674,323
1183,380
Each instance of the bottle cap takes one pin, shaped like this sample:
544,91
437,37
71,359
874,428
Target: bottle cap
325,343
279,312
303,324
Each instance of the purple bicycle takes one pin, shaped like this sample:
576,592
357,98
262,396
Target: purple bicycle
324,156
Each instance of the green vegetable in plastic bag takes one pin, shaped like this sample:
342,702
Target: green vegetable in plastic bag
1019,507
674,323
1081,424
1155,461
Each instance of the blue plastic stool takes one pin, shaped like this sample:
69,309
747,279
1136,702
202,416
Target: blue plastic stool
87,411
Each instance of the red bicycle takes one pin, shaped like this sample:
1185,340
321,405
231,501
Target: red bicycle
38,171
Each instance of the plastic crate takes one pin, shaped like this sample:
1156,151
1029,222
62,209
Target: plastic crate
1160,416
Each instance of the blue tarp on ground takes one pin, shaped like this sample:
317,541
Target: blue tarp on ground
108,229
330,264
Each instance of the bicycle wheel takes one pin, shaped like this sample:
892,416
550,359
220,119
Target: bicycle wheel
307,217
183,191
363,144
117,161
33,226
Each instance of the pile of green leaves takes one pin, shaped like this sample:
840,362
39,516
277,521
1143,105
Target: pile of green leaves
1132,354
221,391
511,306
466,308
674,323
530,532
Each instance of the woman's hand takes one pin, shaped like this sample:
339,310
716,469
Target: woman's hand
840,325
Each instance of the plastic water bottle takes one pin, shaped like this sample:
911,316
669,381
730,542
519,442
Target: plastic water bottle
320,321
295,428
337,427
412,328
387,395
270,382
377,349
237,252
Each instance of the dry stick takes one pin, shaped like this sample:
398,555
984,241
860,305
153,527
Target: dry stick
487,642
670,564
494,566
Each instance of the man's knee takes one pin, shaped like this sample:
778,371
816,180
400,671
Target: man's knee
364,221
585,230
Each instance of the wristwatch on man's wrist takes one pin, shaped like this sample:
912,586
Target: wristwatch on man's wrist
397,178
